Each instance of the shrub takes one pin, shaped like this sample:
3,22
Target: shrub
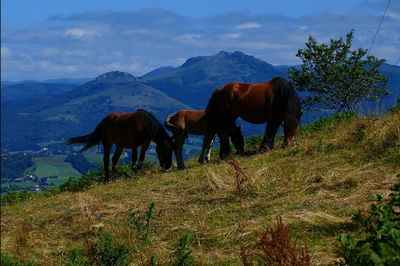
377,242
107,252
276,247
12,197
6,260
77,257
182,253
74,184
142,223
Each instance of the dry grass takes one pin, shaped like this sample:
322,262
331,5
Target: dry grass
315,186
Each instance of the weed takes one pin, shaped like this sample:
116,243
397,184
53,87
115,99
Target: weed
142,224
107,252
6,260
241,179
77,257
182,253
276,248
377,242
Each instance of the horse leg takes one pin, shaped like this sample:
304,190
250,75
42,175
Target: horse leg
179,141
207,139
269,136
134,158
208,152
237,139
115,160
143,150
225,147
106,160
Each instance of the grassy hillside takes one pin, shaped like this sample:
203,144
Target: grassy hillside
316,185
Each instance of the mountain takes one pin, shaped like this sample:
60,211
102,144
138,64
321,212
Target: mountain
26,90
158,71
78,111
198,77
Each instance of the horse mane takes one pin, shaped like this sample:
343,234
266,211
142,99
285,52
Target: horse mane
288,95
152,126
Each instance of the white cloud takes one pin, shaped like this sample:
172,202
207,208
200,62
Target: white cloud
80,33
248,25
5,53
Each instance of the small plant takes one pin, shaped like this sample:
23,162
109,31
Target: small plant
276,247
142,224
377,242
77,257
241,179
6,260
182,253
107,252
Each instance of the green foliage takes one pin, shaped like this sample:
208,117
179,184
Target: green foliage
142,223
6,260
12,197
337,77
378,240
108,252
326,122
77,257
104,252
82,183
183,252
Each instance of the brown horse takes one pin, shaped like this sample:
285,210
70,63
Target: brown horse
129,130
193,122
274,102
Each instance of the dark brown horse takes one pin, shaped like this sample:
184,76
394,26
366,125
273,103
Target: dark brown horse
274,102
193,122
129,130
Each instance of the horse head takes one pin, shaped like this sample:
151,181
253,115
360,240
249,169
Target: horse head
164,152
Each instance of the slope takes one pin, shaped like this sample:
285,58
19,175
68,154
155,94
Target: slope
316,185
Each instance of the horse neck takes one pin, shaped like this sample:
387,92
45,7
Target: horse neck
160,136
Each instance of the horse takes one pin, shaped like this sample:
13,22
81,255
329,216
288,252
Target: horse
129,130
274,102
193,122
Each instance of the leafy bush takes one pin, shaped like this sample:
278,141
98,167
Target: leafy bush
74,184
182,253
108,252
276,248
77,257
6,260
105,251
12,197
377,242
142,223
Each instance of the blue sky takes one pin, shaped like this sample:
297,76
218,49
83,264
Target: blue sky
46,39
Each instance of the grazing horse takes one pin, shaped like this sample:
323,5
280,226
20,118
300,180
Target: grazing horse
193,122
129,130
274,102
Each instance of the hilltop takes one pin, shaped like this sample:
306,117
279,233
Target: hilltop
316,185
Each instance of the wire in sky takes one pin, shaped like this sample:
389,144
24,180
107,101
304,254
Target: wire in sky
379,27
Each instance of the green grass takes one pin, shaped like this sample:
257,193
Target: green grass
52,166
315,185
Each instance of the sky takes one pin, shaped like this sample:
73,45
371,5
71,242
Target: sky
48,39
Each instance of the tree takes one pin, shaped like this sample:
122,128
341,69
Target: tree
337,77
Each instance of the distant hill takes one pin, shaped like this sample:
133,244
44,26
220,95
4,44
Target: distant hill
79,110
158,71
26,90
198,77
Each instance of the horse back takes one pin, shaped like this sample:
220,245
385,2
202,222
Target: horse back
191,121
124,129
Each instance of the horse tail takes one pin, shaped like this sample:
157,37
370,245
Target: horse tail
91,139
167,123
